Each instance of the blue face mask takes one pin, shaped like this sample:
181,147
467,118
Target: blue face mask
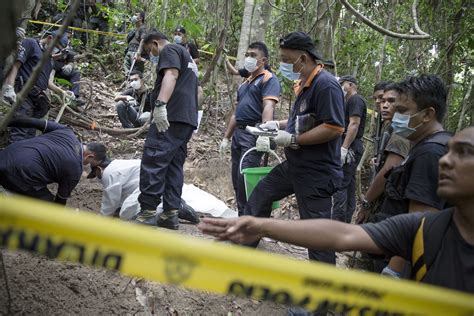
400,124
154,59
287,71
178,39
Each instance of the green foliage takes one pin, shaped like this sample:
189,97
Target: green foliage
62,82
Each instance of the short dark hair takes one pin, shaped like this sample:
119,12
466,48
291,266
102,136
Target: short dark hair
154,35
142,15
392,86
261,47
99,151
381,85
136,72
427,91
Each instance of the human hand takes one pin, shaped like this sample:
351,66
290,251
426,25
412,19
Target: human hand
270,125
344,152
9,93
69,95
224,147
160,117
362,215
263,144
282,139
67,69
242,230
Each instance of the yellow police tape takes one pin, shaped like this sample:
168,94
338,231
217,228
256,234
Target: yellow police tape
195,263
80,29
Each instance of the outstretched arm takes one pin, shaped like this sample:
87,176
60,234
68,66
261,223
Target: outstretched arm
40,124
314,234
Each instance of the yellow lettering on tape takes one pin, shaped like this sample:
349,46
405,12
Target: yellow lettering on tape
168,257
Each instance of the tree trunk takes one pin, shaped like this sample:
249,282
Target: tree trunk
222,38
164,10
261,16
245,32
322,31
467,101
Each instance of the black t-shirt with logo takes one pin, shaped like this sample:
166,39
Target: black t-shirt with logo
182,106
453,266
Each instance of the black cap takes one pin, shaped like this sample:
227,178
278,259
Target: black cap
348,78
180,29
300,41
63,40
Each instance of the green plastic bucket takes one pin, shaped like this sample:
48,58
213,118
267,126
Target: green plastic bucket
252,176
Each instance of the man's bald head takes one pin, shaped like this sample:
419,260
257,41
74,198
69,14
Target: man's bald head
456,168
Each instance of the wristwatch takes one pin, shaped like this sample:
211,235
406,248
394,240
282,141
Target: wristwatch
366,204
293,143
159,103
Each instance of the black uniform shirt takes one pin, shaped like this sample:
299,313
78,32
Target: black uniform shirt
54,157
322,96
182,106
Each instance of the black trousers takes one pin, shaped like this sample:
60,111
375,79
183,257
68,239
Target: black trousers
161,170
345,197
41,194
242,141
313,201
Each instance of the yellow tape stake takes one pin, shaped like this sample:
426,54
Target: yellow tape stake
80,29
195,263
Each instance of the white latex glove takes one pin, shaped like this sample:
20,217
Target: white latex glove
160,117
344,152
270,125
67,69
350,158
282,139
132,103
224,147
263,144
9,93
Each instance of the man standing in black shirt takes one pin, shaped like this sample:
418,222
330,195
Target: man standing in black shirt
36,104
175,117
134,44
351,150
181,39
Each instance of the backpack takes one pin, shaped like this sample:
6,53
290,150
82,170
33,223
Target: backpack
427,242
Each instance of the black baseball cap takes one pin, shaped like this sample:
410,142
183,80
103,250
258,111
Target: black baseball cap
300,41
180,29
348,78
63,40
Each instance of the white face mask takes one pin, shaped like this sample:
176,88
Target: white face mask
344,91
178,39
250,64
136,84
